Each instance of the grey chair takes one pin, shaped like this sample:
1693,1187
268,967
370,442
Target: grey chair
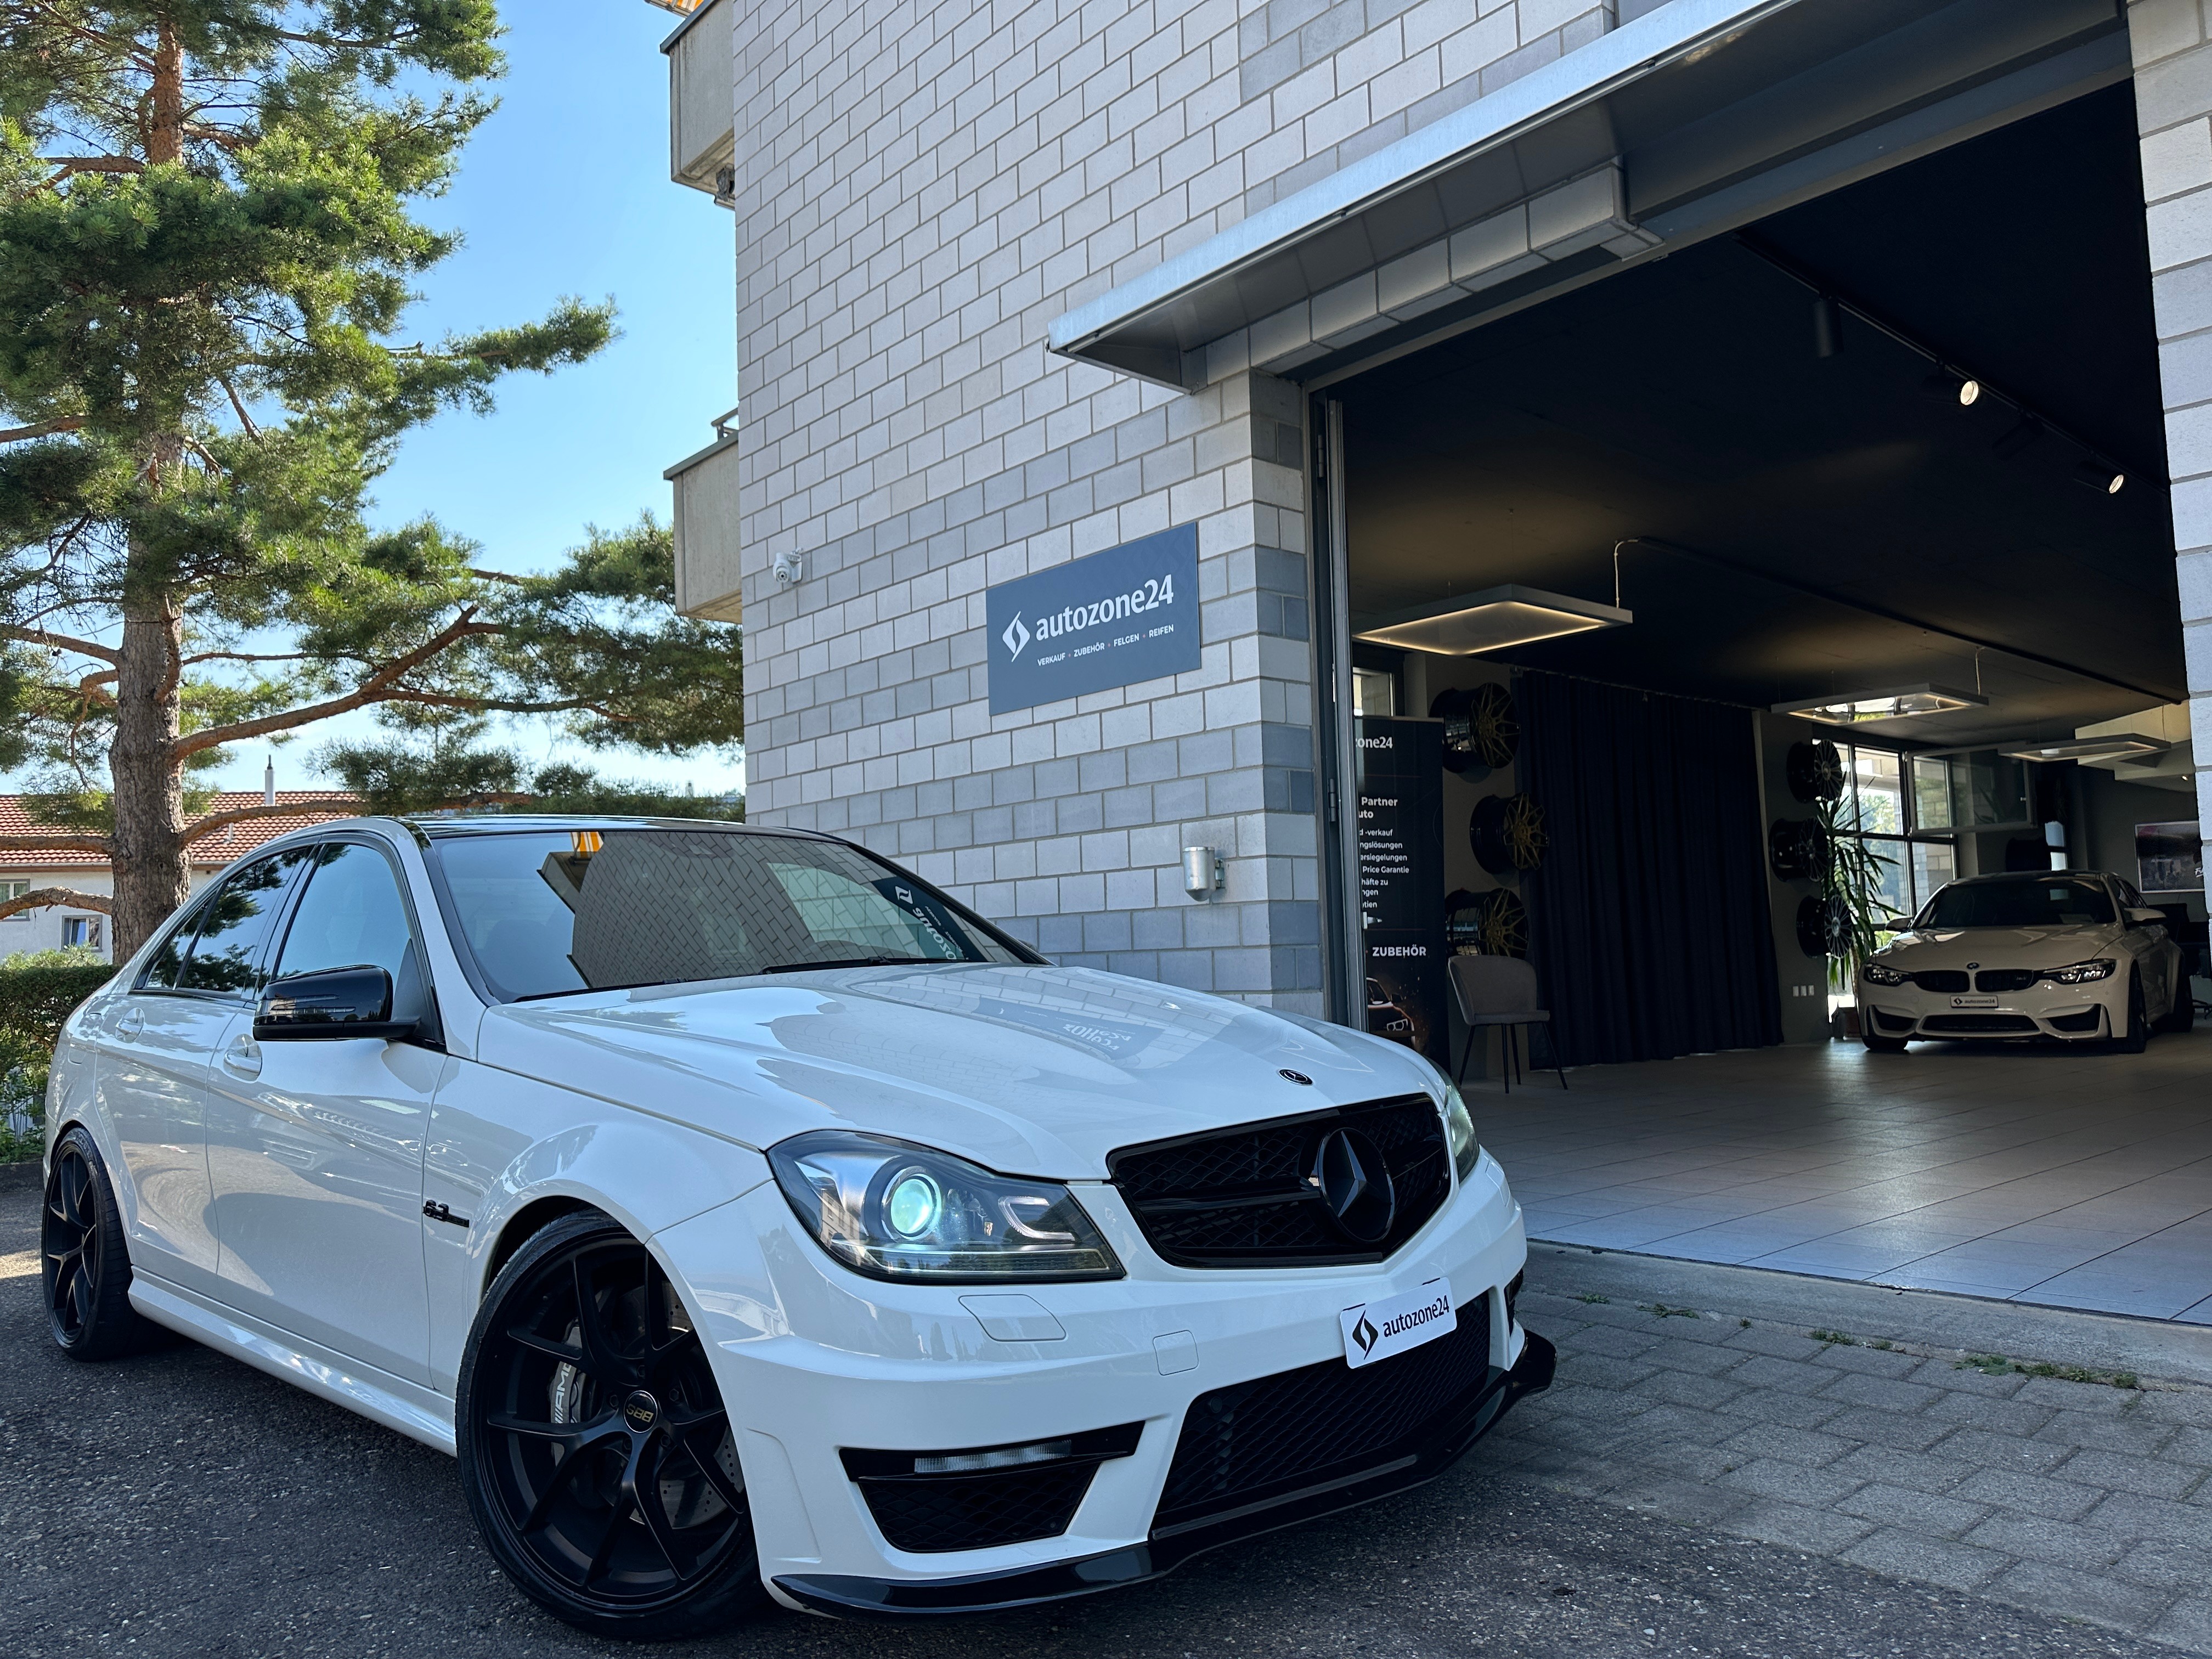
1500,992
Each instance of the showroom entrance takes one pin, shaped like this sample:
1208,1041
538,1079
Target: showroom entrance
1838,543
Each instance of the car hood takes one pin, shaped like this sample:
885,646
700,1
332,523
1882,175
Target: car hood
1026,1070
1997,947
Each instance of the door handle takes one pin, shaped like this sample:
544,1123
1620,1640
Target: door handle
133,1023
243,1057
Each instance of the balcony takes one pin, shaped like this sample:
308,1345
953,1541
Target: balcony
707,527
702,122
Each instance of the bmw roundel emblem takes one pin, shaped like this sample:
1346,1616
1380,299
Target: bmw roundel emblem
1295,1077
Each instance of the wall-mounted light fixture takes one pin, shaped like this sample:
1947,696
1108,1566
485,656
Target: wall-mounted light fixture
1202,873
1894,702
1492,620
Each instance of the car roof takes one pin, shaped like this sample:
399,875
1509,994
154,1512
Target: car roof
2033,875
482,824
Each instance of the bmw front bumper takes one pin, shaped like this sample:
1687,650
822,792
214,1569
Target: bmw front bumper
823,1370
2072,1013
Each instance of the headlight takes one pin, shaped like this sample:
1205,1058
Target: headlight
2081,973
1880,973
892,1210
1459,1132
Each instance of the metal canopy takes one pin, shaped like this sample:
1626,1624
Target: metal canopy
1691,119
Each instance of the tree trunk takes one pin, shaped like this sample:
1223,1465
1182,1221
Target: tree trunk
152,878
165,115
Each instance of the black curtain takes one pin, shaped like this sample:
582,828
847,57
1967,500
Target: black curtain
1648,924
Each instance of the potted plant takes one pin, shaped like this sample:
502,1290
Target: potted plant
1854,916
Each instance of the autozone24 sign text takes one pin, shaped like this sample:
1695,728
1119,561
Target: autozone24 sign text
1114,618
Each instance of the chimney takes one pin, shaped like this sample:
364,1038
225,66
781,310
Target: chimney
269,783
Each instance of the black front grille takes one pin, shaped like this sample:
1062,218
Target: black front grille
976,1511
1279,1435
2005,979
1242,1197
1985,1024
1941,978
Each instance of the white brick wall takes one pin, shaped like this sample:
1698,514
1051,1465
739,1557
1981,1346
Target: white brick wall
2172,40
920,191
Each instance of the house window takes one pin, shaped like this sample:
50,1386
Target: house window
80,930
15,890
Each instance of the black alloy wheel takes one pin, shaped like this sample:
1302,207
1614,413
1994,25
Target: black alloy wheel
595,1450
84,1266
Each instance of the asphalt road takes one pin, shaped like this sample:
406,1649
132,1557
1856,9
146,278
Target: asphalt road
180,1502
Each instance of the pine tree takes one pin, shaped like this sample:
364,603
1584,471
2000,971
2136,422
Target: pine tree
206,256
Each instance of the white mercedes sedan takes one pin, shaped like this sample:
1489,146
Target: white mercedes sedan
2072,955
755,1225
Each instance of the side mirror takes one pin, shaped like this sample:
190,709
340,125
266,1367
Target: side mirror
337,1003
2146,917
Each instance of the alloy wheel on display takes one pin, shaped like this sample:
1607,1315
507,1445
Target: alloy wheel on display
599,1455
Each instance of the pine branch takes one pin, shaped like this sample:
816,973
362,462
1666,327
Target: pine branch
16,434
348,805
377,687
56,841
62,642
41,898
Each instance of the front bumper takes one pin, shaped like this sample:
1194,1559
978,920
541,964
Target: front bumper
1439,1445
2071,1013
814,1361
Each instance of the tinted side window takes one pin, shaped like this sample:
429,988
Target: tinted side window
235,926
352,916
169,960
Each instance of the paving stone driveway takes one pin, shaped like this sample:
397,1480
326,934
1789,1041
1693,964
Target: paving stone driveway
2075,1498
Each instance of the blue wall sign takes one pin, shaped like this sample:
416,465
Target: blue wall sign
1127,614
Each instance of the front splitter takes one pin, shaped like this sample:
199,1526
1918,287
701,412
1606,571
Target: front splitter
845,1596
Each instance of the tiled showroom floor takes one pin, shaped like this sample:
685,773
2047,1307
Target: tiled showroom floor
2063,1177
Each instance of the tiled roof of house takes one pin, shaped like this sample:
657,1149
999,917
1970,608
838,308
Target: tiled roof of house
213,851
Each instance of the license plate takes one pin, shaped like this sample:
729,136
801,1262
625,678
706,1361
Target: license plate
1376,1330
1973,1002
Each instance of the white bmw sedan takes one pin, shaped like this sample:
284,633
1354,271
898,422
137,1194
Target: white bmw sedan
755,1224
2072,955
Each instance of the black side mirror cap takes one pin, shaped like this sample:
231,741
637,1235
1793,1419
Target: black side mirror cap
337,1003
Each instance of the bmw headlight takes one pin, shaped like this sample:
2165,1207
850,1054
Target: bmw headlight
2081,973
1459,1131
892,1210
1881,973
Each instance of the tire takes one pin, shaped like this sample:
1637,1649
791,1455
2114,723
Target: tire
1882,1045
2137,1036
2182,1016
84,1264
595,1452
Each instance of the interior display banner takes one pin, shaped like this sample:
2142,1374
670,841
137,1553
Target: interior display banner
2169,858
1401,881
1113,618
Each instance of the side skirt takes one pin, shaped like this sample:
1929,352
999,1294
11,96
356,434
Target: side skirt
417,1411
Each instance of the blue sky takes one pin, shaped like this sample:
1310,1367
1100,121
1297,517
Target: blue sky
566,191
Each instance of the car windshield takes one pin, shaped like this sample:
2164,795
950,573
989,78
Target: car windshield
549,913
2029,901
